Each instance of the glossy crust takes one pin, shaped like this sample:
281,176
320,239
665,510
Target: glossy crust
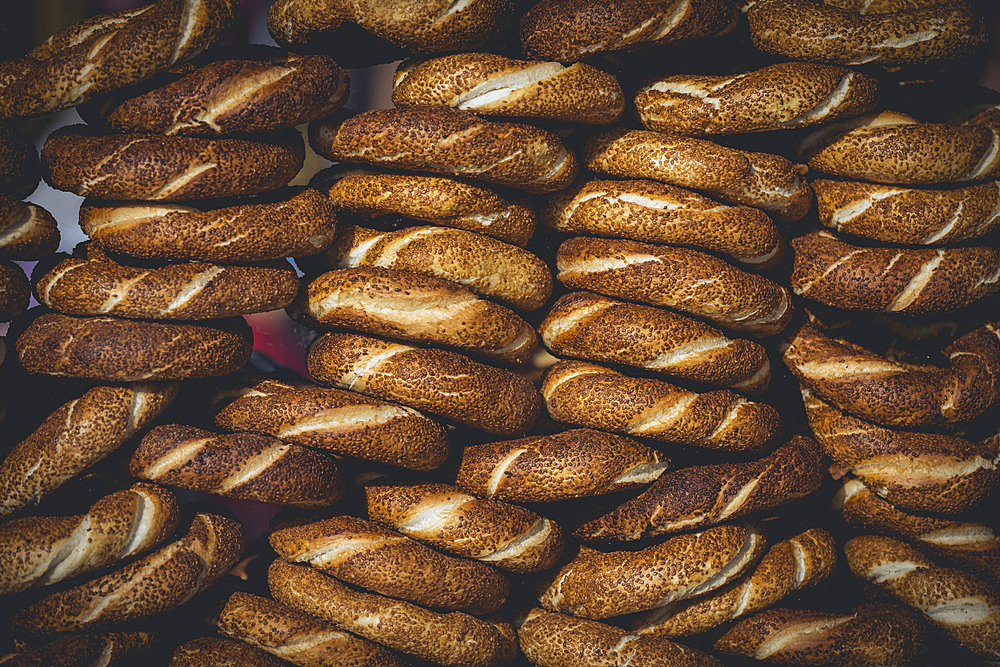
704,495
586,394
365,554
104,648
913,281
159,581
27,231
76,436
454,638
437,381
762,180
776,97
445,141
291,223
659,213
249,466
423,309
494,85
15,292
108,52
19,169
596,328
341,422
114,350
152,167
508,536
690,281
220,652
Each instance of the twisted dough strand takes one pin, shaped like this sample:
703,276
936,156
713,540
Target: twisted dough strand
100,648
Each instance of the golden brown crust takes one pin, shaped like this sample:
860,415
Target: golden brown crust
108,52
445,141
365,554
423,309
76,436
454,638
294,224
692,282
219,652
75,649
776,97
437,381
341,422
704,495
27,231
763,180
19,169
508,536
15,292
152,167
494,85
250,466
596,328
892,280
659,213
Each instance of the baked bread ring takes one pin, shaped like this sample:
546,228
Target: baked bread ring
854,32
596,328
97,285
15,292
912,281
486,266
114,350
788,566
108,648
659,213
27,231
108,52
249,466
445,141
776,97
341,422
704,495
365,554
570,30
409,306
955,602
152,167
693,282
909,216
291,223
161,580
221,652
968,545
498,86
443,517
881,634
19,169
577,392
41,551
295,636
763,180
76,436
440,382
900,395
453,638
921,472
546,468
556,640
596,584
236,97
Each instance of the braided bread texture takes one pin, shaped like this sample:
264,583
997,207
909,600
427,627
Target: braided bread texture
442,516
498,86
596,328
955,602
377,559
15,292
108,52
220,652
250,466
97,648
453,638
161,580
446,141
765,181
19,172
896,394
912,281
76,436
27,231
709,494
437,381
776,97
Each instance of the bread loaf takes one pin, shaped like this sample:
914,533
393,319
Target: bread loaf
19,169
15,292
104,648
27,231
219,652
